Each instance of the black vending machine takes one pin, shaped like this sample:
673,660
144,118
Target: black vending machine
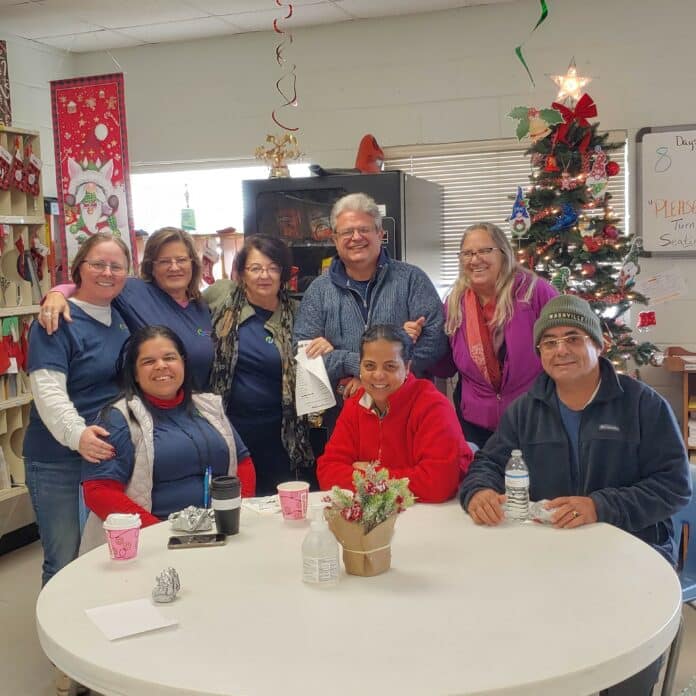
298,211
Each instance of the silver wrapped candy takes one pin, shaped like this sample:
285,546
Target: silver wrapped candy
192,519
167,584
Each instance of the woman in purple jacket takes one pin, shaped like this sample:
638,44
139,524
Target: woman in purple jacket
490,315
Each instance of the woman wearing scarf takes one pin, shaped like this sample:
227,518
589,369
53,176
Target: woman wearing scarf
489,318
254,368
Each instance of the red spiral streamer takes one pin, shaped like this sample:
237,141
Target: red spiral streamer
286,85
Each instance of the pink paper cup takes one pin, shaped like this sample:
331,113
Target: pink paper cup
122,534
293,497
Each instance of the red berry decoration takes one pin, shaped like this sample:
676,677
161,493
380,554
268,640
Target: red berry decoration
613,168
588,269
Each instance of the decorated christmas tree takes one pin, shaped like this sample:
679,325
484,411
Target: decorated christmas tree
563,224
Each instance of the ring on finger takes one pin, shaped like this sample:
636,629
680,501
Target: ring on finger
575,514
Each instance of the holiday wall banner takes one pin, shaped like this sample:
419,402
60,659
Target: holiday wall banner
92,172
5,106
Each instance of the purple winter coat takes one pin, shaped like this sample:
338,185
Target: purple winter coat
480,404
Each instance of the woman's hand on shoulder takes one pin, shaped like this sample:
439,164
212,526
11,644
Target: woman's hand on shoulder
55,305
92,447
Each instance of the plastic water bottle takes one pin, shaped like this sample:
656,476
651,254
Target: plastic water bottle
516,487
320,552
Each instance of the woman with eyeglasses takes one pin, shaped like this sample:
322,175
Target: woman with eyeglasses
254,369
73,375
489,318
167,293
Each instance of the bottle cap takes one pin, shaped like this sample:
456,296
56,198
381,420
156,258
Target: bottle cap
516,453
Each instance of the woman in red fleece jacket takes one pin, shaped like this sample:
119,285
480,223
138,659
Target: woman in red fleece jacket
404,424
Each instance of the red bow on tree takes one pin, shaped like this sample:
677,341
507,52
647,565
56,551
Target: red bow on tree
584,109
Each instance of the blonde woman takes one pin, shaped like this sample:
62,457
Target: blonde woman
489,319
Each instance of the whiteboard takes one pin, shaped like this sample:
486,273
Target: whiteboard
668,189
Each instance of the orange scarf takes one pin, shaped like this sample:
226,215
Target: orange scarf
478,337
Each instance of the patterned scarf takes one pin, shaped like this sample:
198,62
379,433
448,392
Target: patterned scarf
294,431
478,337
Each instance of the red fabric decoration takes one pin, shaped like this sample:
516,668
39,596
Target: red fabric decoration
584,109
613,168
5,168
17,169
370,156
32,172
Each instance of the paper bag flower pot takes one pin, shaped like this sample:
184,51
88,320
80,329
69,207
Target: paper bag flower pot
364,554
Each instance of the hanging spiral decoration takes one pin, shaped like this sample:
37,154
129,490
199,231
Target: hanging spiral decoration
287,82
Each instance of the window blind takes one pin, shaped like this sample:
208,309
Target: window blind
480,180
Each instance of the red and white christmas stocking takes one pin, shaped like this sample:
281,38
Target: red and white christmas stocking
17,169
5,168
32,172
39,252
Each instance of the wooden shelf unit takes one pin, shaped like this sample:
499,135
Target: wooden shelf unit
21,217
677,360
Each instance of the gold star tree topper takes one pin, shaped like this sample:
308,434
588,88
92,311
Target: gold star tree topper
570,84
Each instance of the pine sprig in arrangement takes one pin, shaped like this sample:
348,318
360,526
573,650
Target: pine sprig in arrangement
376,498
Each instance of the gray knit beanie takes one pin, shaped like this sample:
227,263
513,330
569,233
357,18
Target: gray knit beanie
569,310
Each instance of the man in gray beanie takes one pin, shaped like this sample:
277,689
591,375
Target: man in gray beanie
600,446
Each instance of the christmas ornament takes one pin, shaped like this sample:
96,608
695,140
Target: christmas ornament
289,77
32,172
17,168
567,218
519,219
597,181
5,168
570,84
518,49
283,148
646,320
613,168
188,214
591,244
560,279
585,109
610,231
533,122
588,269
566,182
551,165
630,267
657,358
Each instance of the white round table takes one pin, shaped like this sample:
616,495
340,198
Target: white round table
518,609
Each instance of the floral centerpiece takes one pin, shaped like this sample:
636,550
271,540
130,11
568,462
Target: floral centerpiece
363,522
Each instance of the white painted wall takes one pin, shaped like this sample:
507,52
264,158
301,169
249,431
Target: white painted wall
32,67
440,77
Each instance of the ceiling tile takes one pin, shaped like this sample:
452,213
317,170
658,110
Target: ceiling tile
306,15
31,20
179,31
225,7
128,13
384,8
91,41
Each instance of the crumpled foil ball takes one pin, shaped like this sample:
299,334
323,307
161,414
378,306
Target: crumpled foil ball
192,519
167,584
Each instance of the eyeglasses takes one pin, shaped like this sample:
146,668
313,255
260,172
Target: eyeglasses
180,261
348,232
101,266
256,270
550,345
486,251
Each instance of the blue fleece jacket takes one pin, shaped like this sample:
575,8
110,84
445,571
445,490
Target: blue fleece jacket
399,292
632,461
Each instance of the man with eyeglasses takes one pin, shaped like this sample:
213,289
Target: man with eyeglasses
600,446
365,287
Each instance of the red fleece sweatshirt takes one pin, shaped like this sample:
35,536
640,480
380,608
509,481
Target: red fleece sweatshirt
419,438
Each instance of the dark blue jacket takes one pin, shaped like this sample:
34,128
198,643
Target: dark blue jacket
632,460
399,292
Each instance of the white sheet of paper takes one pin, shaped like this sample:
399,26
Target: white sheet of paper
661,287
128,618
313,390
